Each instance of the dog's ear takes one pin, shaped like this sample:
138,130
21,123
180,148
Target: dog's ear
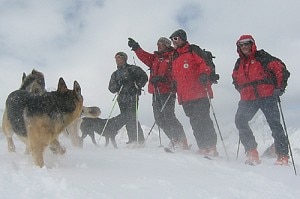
76,88
62,87
23,77
34,71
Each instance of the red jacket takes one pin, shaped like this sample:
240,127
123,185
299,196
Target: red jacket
186,70
159,64
251,79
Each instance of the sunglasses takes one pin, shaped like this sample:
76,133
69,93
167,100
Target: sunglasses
175,38
244,44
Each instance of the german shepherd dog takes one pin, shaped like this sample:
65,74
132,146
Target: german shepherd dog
39,119
90,125
35,83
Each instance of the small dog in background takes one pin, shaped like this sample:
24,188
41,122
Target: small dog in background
90,125
72,131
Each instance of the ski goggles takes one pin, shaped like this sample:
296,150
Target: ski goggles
246,44
175,38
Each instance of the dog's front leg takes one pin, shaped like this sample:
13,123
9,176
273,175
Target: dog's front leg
93,138
8,132
106,141
37,153
113,141
56,148
10,144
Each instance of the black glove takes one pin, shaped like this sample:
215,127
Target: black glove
173,86
277,92
156,79
133,44
203,79
236,86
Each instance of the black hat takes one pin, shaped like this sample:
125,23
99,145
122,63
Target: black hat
179,33
122,54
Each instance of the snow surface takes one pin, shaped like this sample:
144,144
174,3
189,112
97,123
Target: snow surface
105,172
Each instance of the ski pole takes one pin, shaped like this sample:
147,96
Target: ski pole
133,60
214,114
155,100
286,133
159,135
238,149
109,116
136,118
162,108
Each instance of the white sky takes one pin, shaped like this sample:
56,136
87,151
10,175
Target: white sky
77,40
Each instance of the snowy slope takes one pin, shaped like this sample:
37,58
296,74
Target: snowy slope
99,172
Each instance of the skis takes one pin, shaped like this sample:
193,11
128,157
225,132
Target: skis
168,150
207,157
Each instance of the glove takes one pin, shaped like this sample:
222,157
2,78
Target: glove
156,79
173,87
277,92
203,79
236,86
133,44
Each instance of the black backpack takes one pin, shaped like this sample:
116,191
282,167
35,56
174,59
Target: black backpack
265,58
208,58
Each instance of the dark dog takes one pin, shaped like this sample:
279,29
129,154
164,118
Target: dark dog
34,82
90,125
72,131
39,119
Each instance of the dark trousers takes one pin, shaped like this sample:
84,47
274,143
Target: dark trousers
198,112
166,119
246,111
129,111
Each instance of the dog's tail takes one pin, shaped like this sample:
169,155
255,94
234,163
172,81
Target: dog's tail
92,112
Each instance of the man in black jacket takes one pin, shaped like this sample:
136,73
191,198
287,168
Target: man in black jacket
128,81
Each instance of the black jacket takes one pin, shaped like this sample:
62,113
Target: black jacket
132,77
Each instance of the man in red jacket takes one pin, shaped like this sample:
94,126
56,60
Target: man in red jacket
191,74
258,91
163,100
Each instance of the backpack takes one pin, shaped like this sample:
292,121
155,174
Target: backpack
265,58
208,58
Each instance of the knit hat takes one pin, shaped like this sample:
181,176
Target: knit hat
122,54
179,33
165,41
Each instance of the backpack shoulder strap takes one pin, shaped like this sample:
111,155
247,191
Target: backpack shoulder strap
237,64
200,52
208,59
265,58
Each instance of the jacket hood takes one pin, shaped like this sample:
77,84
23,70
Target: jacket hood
246,38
